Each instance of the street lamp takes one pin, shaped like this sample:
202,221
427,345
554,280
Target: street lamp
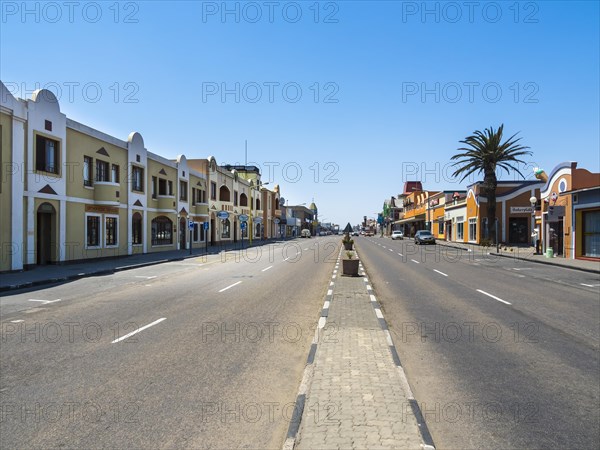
534,234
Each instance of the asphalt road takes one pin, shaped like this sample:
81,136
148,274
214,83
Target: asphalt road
500,353
215,361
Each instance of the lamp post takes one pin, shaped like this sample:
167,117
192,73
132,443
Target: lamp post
534,233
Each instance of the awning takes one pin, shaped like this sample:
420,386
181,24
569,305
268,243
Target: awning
411,219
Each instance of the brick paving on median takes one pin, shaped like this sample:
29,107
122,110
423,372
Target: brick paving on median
355,399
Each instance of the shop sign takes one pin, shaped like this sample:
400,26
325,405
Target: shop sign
521,209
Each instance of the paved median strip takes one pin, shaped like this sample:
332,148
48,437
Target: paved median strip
128,335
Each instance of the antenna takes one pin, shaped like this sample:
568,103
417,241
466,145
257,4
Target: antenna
246,152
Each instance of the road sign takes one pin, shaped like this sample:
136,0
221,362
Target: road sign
223,215
191,224
276,220
243,217
258,220
206,225
243,225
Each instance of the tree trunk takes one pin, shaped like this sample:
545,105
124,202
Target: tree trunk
490,182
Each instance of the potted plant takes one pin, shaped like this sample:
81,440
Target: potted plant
348,242
350,265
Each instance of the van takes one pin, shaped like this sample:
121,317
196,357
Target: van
305,233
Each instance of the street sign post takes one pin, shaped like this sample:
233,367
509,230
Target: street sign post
191,227
206,236
243,227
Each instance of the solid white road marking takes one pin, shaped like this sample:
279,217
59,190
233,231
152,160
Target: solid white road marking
416,262
441,273
322,321
266,268
230,286
400,254
494,297
138,330
44,301
378,313
329,291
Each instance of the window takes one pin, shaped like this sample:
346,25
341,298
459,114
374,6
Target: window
258,204
111,226
154,185
137,179
235,198
441,227
114,175
225,228
459,231
591,233
87,170
224,194
193,196
101,170
162,231
243,200
196,233
183,191
213,190
162,187
203,196
473,229
170,186
92,230
136,229
46,155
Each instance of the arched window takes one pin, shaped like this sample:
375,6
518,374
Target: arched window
257,203
162,231
136,229
243,200
276,203
224,194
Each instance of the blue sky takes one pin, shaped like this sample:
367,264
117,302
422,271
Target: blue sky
370,93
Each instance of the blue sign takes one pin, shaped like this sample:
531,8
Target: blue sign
206,225
191,224
243,225
243,217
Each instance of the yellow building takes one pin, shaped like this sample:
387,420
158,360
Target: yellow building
69,192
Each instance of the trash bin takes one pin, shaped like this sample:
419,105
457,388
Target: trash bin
550,252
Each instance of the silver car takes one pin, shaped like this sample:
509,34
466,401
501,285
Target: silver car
424,237
397,234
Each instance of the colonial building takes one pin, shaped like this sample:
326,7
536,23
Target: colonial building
69,192
570,212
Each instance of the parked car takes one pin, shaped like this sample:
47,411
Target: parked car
424,237
305,233
355,233
397,234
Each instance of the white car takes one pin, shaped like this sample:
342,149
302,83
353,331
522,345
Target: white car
397,234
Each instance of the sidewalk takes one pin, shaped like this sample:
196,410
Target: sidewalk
527,254
56,273
358,396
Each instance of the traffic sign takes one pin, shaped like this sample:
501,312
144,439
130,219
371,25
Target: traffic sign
276,220
223,215
206,225
258,220
243,217
243,225
191,224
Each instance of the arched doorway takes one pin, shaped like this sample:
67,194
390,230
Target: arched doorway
46,232
182,232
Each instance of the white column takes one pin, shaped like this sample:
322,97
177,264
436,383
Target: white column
62,229
17,189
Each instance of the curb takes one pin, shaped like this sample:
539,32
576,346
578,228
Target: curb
295,422
427,440
549,263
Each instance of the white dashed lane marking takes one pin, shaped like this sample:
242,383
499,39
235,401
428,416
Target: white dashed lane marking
493,296
128,335
230,286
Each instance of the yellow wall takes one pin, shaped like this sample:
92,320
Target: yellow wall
7,246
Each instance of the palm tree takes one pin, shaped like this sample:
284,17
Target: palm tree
485,152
